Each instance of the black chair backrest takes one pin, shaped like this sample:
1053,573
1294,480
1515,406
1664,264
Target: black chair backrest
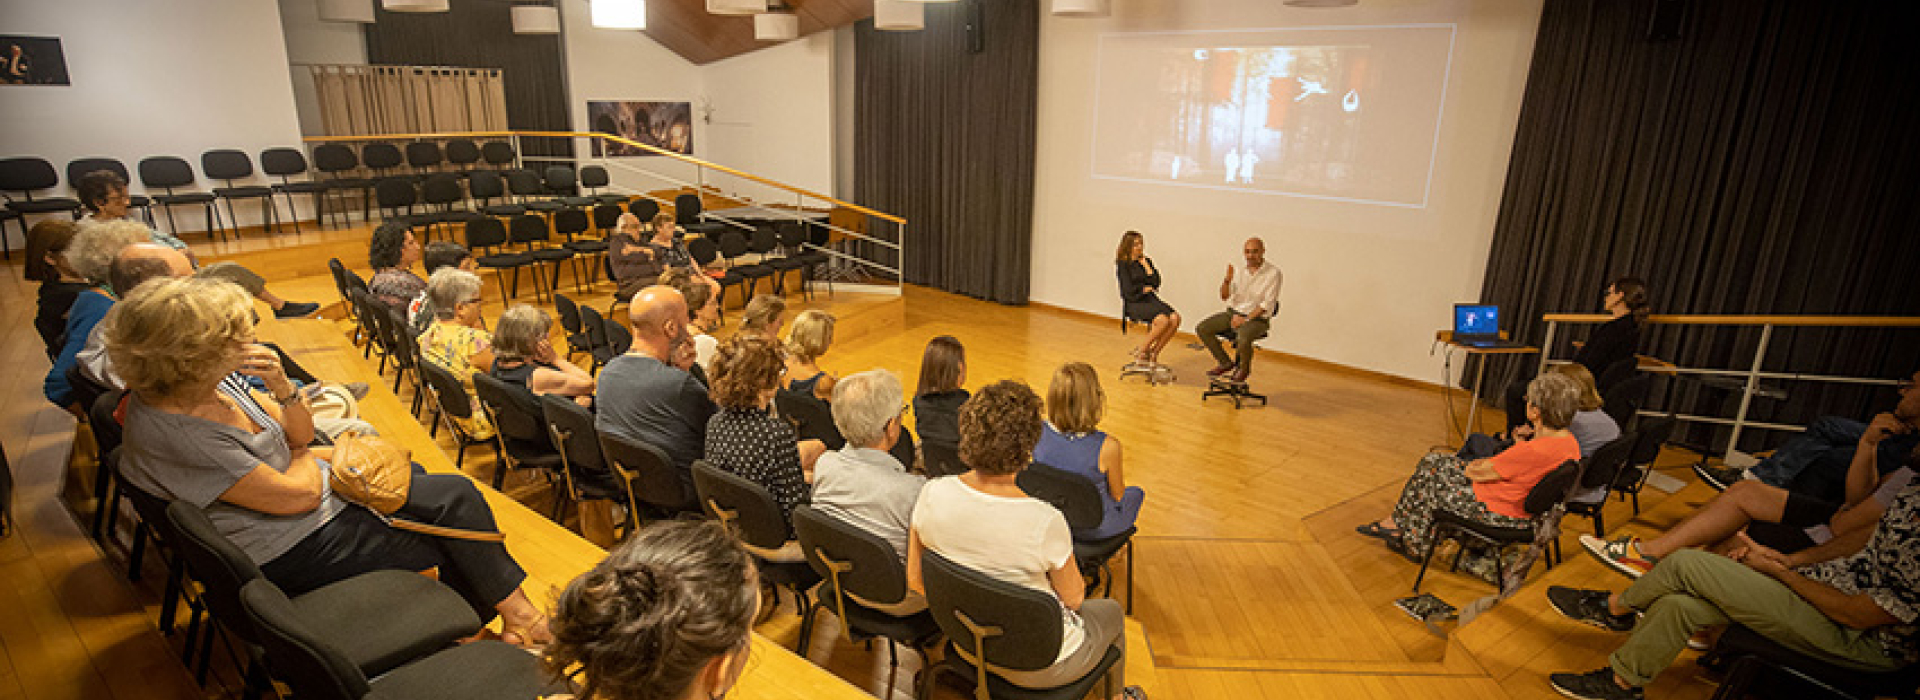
1651,436
732,244
516,413
651,474
217,563
1605,463
282,162
619,339
568,222
447,390
569,313
226,164
523,182
424,154
595,326
1605,378
606,217
1026,621
527,228
485,233
876,575
441,188
703,250
645,209
746,507
941,459
485,184
1552,488
314,669
594,176
497,153
27,174
686,209
793,235
1624,399
811,417
152,509
560,179
463,152
107,430
1070,493
903,449
165,172
571,427
394,193
380,156
79,167
764,240
334,158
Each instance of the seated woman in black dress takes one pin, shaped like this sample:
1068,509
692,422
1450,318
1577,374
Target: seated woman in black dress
1139,287
1613,342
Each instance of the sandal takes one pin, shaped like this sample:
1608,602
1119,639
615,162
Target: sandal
525,637
1373,529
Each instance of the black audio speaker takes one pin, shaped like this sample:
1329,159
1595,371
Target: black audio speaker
976,35
1669,17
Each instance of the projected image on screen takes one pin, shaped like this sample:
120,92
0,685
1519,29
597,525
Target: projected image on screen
1342,113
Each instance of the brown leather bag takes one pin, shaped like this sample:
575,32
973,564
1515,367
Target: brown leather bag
378,474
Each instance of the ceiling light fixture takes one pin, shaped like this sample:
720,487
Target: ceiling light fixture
536,19
346,11
899,15
619,14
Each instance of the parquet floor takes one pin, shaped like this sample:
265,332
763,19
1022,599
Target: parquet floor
1251,582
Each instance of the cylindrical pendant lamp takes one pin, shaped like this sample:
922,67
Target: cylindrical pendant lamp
736,7
346,11
899,15
536,19
415,5
776,26
619,14
1080,8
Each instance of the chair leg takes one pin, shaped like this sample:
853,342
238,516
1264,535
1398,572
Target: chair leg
1129,576
138,554
206,652
170,595
1427,560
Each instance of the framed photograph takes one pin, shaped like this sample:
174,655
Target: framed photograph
32,60
667,125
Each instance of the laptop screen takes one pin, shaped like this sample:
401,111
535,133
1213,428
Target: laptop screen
1476,320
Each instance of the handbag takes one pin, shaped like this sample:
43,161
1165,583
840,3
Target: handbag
378,474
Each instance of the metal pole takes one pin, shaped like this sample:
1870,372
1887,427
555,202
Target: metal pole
1753,381
1546,347
518,151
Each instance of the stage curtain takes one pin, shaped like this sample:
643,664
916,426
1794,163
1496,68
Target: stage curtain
480,35
945,138
1763,162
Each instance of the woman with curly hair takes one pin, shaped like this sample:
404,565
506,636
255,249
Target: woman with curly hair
666,616
981,520
393,251
744,437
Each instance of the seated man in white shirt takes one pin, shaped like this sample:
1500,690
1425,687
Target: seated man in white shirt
1252,294
861,483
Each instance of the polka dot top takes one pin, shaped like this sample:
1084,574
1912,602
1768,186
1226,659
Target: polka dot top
761,448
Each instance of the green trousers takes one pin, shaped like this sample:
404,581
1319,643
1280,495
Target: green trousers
1209,332
1691,590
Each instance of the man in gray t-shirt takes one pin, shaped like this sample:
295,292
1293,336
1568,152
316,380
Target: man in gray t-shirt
643,398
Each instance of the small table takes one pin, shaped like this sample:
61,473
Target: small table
1480,374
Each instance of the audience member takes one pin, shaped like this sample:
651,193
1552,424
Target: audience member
671,251
809,339
635,264
104,194
1853,601
1072,442
703,308
1815,462
1591,427
643,398
1252,301
862,483
90,255
392,251
456,342
666,616
244,457
744,437
763,316
1613,343
983,521
523,355
439,254
937,400
1139,292
134,265
1488,491
47,245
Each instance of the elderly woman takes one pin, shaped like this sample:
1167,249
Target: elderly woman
666,615
437,255
185,347
523,355
393,251
47,244
104,194
1492,490
456,341
1072,442
810,338
744,437
981,519
763,317
89,256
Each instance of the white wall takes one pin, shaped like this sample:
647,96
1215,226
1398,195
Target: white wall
1366,286
151,78
310,40
773,115
604,64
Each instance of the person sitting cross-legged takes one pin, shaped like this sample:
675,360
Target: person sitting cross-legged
1852,602
1816,462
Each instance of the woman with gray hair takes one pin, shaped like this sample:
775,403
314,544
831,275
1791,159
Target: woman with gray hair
523,354
89,255
1490,491
456,341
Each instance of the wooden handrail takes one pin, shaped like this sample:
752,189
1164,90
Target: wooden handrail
616,139
1741,320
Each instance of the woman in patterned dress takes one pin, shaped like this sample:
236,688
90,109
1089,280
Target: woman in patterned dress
455,341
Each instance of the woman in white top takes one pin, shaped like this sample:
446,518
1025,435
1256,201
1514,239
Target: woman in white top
982,520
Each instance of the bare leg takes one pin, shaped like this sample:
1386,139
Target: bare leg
1742,503
1154,331
1166,335
523,619
272,299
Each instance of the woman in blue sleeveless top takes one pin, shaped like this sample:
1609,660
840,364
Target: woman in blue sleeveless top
1070,442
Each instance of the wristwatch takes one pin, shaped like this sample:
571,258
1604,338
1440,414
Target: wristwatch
291,397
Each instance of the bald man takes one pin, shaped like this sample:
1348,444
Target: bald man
643,396
1252,294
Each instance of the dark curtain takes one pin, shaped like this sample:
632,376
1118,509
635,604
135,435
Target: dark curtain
1763,162
477,34
945,137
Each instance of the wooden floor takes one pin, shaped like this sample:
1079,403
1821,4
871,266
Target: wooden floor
1251,581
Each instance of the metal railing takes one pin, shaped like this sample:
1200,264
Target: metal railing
864,244
1753,374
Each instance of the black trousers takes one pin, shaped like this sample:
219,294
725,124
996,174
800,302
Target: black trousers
357,541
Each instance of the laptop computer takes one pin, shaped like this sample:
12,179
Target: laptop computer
1478,326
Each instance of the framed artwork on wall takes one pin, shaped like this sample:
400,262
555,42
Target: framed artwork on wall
667,125
32,60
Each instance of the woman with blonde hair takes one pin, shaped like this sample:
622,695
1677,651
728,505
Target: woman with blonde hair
807,341
457,341
186,349
1071,442
763,317
523,355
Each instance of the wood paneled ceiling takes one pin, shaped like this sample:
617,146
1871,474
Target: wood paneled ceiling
686,28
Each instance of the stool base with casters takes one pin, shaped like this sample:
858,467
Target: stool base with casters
1155,374
1236,390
